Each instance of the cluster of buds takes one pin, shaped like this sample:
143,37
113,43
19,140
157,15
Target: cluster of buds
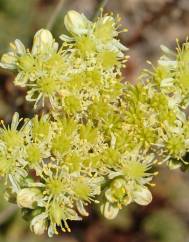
101,139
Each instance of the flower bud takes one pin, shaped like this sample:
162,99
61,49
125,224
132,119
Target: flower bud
27,197
142,196
76,23
43,42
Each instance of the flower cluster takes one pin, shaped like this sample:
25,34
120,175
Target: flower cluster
101,138
168,86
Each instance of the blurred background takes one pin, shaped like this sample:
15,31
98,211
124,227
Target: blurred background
150,24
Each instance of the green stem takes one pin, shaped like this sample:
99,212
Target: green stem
55,14
100,6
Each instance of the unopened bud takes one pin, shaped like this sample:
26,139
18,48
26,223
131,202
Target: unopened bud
27,197
43,42
76,23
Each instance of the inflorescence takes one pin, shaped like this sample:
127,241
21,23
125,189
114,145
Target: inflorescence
102,138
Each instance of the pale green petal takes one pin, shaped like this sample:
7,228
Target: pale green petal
142,195
109,211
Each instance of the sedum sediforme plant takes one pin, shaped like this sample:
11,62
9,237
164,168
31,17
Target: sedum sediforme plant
99,139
